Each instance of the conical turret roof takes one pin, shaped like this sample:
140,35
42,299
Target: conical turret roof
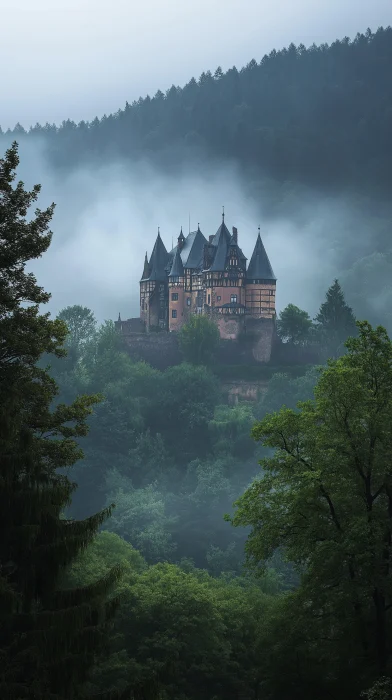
158,261
177,268
259,265
221,242
146,269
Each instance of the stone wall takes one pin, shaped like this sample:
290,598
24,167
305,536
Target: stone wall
159,349
230,327
252,345
262,335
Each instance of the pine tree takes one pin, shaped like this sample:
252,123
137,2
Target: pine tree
49,638
335,321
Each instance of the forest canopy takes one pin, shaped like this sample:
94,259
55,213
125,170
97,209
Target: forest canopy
318,115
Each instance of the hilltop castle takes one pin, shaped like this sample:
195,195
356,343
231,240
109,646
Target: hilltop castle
211,277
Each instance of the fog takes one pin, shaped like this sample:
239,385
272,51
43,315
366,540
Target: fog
80,59
105,220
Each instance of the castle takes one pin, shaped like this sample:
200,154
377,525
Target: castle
211,277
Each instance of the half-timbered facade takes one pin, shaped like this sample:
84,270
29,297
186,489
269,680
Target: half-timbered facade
206,276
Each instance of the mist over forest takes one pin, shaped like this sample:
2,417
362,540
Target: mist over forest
305,158
201,529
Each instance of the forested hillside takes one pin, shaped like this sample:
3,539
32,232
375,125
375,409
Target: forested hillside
319,115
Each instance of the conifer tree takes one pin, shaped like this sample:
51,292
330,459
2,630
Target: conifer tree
49,638
335,321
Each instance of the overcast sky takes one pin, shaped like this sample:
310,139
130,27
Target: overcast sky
83,58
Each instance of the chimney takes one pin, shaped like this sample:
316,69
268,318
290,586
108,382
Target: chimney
210,239
235,235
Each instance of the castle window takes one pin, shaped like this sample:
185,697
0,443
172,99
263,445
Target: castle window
174,313
188,301
218,298
233,299
174,296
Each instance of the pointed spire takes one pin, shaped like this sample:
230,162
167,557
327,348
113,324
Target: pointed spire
177,269
181,240
158,261
146,268
259,265
119,317
223,214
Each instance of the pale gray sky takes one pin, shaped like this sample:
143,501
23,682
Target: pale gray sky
83,58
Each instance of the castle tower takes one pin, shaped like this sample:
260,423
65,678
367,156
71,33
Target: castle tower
260,284
153,288
176,293
224,272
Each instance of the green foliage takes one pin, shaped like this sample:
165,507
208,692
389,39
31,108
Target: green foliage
325,498
381,690
140,518
230,429
199,340
50,638
81,324
283,390
335,322
103,553
196,635
294,325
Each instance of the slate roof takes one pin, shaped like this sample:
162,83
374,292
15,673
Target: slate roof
223,241
146,269
158,261
177,268
191,252
222,238
222,233
163,264
259,265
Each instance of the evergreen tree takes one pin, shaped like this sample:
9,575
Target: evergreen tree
294,325
335,321
49,638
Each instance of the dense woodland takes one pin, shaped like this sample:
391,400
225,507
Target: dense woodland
157,542
304,126
319,115
124,577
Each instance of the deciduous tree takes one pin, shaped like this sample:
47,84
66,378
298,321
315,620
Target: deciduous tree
326,498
